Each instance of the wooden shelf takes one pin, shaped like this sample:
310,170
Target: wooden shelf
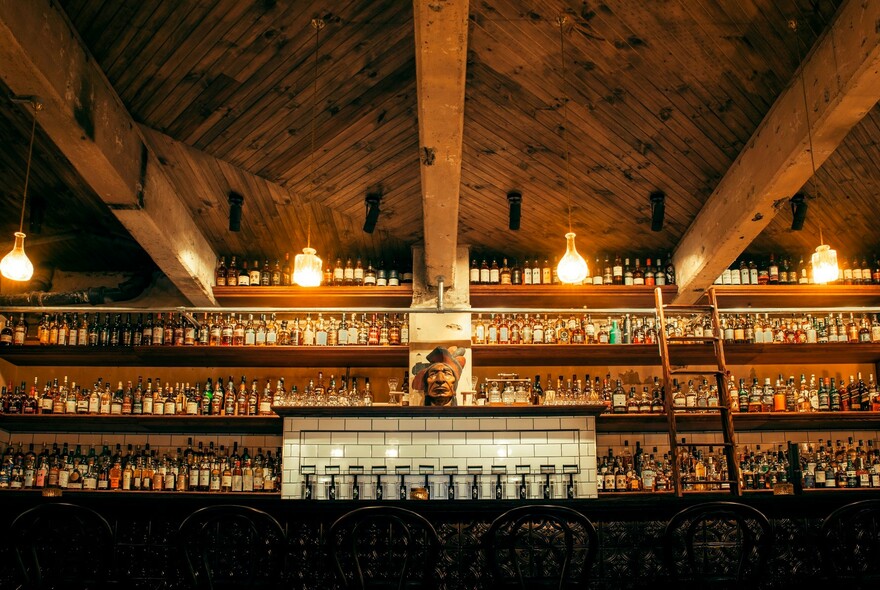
567,296
149,424
393,412
804,296
745,422
270,297
208,356
532,355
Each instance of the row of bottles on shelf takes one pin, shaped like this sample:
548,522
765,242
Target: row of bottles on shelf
172,470
635,329
216,329
618,272
704,467
784,272
281,275
213,398
826,394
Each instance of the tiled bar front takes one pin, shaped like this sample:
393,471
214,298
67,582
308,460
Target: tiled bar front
457,447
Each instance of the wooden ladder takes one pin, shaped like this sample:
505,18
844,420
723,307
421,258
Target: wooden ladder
724,406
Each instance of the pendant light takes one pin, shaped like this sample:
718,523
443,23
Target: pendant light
16,266
572,268
824,259
307,266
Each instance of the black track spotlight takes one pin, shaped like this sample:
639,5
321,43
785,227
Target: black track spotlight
658,210
235,203
798,212
372,203
514,200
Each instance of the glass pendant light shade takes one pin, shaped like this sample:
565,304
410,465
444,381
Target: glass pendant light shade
16,266
572,268
825,269
307,268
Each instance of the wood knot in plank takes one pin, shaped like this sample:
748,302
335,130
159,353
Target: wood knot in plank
428,155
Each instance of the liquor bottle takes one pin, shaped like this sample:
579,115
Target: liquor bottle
504,277
617,271
255,275
220,274
285,271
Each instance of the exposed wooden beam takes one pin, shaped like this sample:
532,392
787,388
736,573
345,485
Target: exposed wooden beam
441,30
842,74
42,55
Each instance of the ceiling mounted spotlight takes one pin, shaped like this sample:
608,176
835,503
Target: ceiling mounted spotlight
658,210
514,201
372,202
235,203
798,211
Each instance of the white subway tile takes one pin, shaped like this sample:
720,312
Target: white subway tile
288,424
493,423
479,438
465,451
309,450
356,424
437,424
466,424
490,451
574,423
331,424
301,424
591,424
344,438
562,436
534,438
547,424
411,451
411,424
569,450
453,438
520,424
371,438
521,450
425,438
439,451
358,451
398,438
551,450
313,437
507,438
384,424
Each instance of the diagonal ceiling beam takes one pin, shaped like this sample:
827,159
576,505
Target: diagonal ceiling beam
42,55
441,28
842,74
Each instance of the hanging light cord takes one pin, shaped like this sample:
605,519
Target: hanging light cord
317,24
27,175
561,21
794,26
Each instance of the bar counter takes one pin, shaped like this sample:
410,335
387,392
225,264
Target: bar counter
630,528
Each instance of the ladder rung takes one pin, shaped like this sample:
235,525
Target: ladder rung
693,339
689,308
695,372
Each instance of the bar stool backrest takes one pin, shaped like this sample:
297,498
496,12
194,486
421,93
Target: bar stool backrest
384,547
717,543
232,546
851,542
540,547
62,545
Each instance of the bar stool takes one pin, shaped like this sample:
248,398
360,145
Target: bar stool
850,538
719,543
384,547
62,546
540,547
232,546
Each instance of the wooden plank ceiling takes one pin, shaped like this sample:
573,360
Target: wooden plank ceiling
663,96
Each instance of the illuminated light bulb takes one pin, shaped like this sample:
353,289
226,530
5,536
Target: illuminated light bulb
572,268
825,269
16,266
307,268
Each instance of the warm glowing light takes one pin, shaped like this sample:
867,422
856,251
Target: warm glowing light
15,266
572,268
825,269
307,268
